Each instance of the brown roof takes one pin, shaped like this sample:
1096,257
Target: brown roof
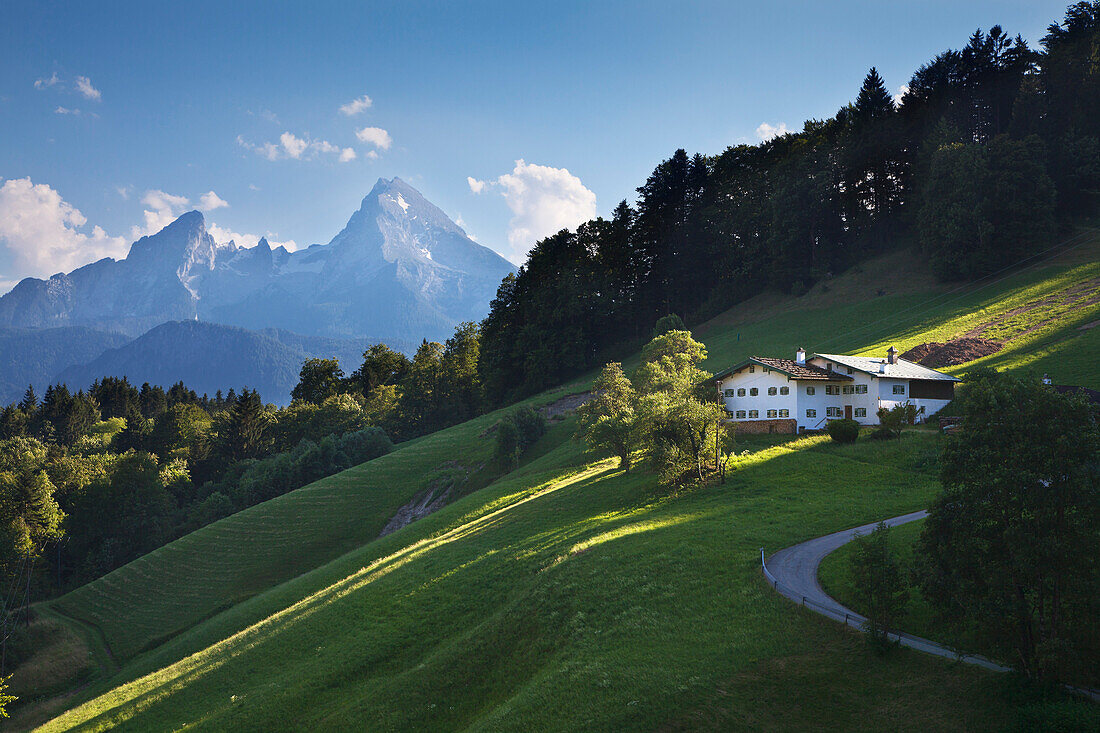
791,368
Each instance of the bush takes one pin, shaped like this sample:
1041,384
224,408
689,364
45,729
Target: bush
517,432
844,431
892,421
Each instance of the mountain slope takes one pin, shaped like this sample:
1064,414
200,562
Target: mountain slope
567,594
400,269
32,356
208,357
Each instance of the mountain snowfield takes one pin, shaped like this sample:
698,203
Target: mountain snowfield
400,269
398,272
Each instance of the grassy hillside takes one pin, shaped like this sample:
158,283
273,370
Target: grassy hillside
1046,315
566,579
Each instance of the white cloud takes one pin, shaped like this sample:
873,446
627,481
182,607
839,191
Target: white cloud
475,185
43,233
124,192
766,132
543,200
223,235
47,82
210,201
356,106
372,155
290,146
84,86
253,187
66,111
375,136
163,209
901,92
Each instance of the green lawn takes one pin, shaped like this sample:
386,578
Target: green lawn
566,594
570,580
836,578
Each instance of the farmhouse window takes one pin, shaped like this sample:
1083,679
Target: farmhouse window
811,390
849,370
784,413
740,414
741,392
754,413
765,370
832,389
753,391
728,393
899,389
811,413
752,369
848,389
784,390
772,391
771,413
861,412
861,389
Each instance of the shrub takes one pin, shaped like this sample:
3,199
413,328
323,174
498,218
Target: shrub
517,432
844,431
892,421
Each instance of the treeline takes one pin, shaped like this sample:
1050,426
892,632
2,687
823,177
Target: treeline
91,480
987,147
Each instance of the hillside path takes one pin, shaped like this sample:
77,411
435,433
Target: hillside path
792,572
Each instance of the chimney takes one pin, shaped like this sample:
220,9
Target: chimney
892,355
800,356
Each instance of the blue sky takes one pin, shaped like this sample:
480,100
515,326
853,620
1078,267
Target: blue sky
123,114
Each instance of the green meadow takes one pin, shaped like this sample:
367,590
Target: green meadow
567,594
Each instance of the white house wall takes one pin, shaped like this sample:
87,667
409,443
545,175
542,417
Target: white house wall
762,402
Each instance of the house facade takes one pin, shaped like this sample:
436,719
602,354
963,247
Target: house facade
770,395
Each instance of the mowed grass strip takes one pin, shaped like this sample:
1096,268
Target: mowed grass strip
858,322
153,598
577,597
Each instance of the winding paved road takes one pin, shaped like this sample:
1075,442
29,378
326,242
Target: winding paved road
793,573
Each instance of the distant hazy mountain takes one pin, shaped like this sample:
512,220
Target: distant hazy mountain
400,269
209,357
32,356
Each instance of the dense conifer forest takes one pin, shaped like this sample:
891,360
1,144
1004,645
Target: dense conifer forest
987,152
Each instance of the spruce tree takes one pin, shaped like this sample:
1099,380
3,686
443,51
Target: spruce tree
30,400
874,101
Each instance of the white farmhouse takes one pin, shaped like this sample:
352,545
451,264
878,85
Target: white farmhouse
767,395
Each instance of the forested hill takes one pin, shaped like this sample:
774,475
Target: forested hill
33,356
209,357
990,152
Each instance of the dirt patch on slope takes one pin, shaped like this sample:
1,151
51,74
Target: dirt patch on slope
564,405
443,482
935,354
